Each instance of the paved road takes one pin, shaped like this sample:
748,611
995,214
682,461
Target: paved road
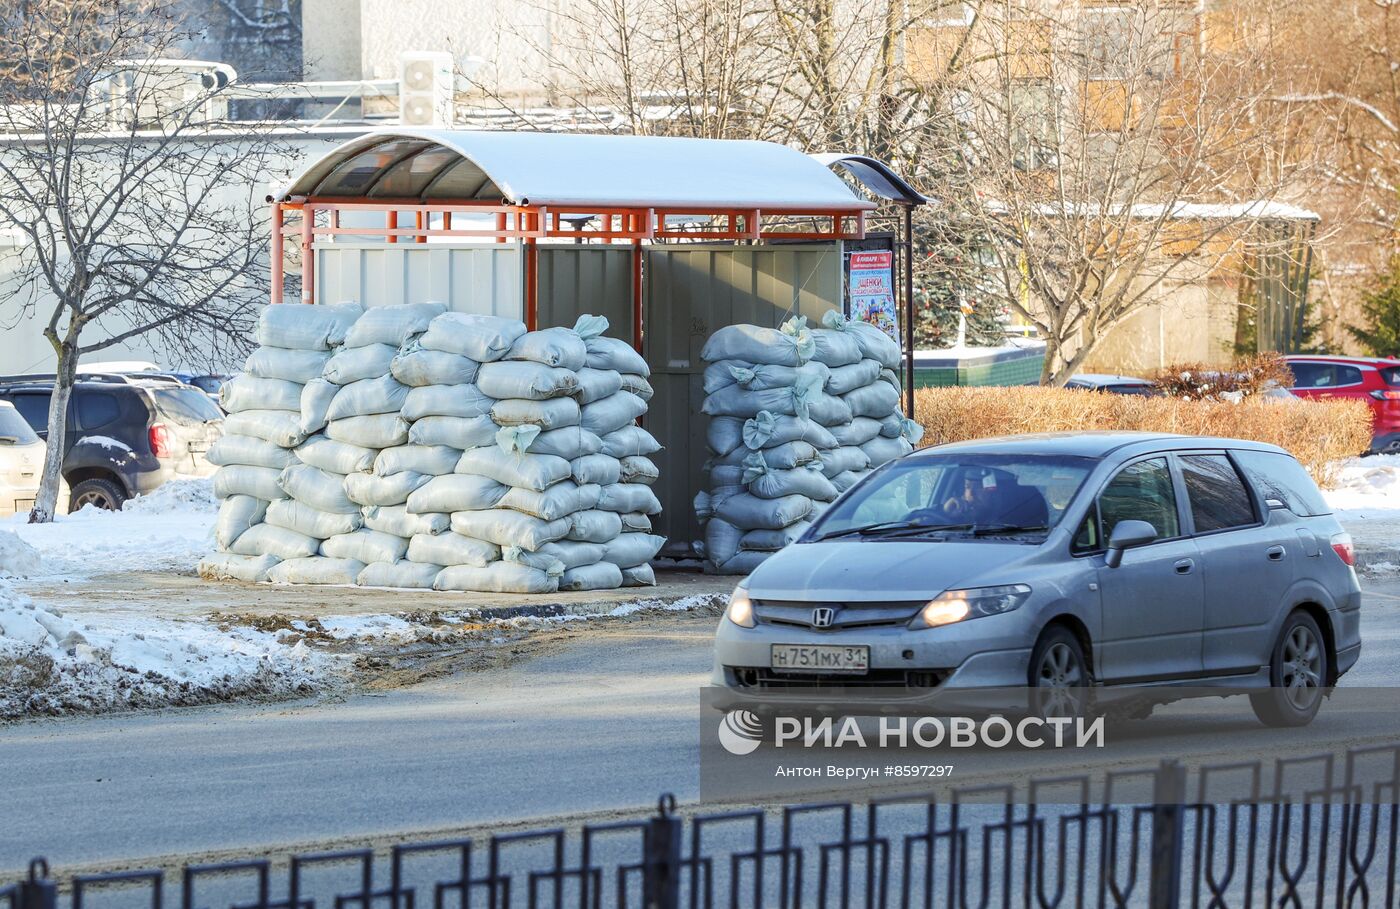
608,722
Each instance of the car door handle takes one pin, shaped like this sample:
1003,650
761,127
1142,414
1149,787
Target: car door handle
1184,566
1275,553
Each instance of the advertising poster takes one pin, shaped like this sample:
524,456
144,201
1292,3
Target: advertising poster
872,290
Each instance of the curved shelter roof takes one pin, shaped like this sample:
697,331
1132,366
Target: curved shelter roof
565,169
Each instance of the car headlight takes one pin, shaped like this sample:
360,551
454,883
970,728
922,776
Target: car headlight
955,605
740,608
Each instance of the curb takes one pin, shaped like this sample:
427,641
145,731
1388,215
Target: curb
1378,562
596,608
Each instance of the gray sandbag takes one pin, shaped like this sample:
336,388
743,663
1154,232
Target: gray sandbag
637,469
316,570
498,577
566,442
249,451
399,521
891,378
874,343
735,401
433,460
598,576
561,347
629,549
403,573
857,432
558,501
770,483
554,413
545,563
881,450
380,430
848,478
302,327
773,540
509,528
749,512
616,354
456,492
299,366
892,426
452,549
835,348
784,457
702,507
630,441
758,345
637,385
742,562
280,427
593,526
597,384
317,488
355,363
878,400
724,435
762,376
315,403
461,433
335,457
241,480
596,468
478,337
721,540
727,474
244,392
639,576
394,489
842,459
529,471
228,566
313,522
365,546
237,514
612,413
269,539
765,430
852,376
446,401
635,522
569,553
392,324
422,368
525,379
625,497
384,394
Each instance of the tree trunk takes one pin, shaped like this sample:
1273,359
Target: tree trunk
46,502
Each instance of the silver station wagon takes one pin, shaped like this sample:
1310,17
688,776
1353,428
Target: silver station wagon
1068,563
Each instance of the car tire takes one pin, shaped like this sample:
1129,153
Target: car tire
1297,675
103,493
1059,675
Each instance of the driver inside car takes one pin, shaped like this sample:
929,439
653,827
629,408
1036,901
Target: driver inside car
995,497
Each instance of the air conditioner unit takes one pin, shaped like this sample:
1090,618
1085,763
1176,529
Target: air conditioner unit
425,88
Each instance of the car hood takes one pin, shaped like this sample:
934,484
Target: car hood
878,570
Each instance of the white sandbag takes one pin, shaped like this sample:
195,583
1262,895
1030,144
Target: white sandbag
874,343
335,457
300,366
477,337
509,528
597,384
460,433
637,385
269,539
784,457
891,378
421,368
315,403
530,471
355,363
566,442
855,375
758,345
403,573
848,478
762,376
842,459
551,414
394,489
368,396
280,427
456,492
313,522
891,426
365,546
569,553
594,526
228,566
317,488
765,430
835,348
237,514
545,563
446,401
399,521
878,400
630,441
625,497
560,347
241,480
433,460
636,522
392,324
452,549
615,353
638,576
769,483
881,450
560,500
498,577
525,379
302,327
629,549
249,451
612,413
380,430
598,576
316,570
721,540
773,540
857,432
596,468
244,392
749,512
736,401
637,469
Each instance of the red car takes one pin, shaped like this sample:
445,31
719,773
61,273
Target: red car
1375,380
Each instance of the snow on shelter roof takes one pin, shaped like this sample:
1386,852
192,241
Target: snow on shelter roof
557,169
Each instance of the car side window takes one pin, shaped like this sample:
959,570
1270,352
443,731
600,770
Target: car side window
34,407
1086,538
1142,491
1348,375
1217,495
96,409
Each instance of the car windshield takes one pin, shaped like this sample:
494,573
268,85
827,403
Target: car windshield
980,495
13,426
188,406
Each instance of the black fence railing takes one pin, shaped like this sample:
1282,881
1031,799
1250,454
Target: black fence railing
1185,846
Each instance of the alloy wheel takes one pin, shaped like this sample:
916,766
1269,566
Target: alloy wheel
1302,667
1060,678
93,497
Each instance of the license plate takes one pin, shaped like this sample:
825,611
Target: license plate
821,658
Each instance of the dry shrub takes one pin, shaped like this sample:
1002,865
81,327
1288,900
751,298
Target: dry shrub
1247,377
1317,433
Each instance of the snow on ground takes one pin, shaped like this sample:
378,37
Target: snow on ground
1367,489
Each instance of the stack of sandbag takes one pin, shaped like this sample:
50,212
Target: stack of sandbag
263,426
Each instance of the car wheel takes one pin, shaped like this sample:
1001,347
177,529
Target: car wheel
1297,675
1059,675
103,494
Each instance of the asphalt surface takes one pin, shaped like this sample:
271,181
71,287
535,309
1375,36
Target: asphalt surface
608,722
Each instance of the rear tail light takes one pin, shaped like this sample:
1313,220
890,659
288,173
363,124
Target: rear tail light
1386,394
1341,545
160,440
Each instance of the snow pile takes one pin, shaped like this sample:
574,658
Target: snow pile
93,541
188,496
798,416
1366,488
17,558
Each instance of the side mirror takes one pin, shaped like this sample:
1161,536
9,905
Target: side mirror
1126,535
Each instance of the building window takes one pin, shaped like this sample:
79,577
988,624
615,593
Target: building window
1031,110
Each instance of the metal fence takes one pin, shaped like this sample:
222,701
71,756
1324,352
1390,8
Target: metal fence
1186,846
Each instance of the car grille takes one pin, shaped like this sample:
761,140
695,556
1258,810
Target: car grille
845,616
763,678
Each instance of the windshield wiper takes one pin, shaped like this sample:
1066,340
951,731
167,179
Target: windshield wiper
988,530
891,527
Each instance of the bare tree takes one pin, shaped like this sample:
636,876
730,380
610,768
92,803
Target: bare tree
139,207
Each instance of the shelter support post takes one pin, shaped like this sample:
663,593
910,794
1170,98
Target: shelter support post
637,295
308,259
275,255
909,311
532,261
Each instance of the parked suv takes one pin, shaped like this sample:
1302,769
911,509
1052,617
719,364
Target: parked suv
1374,380
21,461
126,434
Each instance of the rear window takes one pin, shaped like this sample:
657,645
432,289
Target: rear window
187,406
96,409
1324,375
1279,476
1390,375
13,426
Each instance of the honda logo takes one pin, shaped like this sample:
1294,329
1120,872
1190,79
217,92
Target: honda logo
823,616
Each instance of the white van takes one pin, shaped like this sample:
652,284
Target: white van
21,462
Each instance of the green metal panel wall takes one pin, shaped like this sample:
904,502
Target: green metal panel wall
479,278
597,280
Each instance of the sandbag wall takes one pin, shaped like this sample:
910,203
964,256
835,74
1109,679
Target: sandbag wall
437,449
798,415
